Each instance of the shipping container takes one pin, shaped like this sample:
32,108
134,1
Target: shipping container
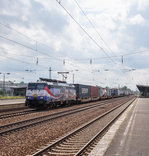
115,92
108,92
94,92
100,92
121,92
104,92
82,91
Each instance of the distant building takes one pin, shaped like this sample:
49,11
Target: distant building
15,89
18,90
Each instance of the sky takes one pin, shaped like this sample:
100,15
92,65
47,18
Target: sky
99,42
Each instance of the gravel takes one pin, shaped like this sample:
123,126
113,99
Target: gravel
39,114
28,141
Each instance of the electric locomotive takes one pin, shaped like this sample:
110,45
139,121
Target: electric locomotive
49,93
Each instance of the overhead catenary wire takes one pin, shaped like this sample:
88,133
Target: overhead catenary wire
8,27
122,59
85,31
27,47
127,54
21,61
106,57
93,26
26,62
34,49
73,65
31,48
118,56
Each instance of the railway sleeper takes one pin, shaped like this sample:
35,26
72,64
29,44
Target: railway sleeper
75,141
60,154
81,139
67,150
55,150
67,147
74,145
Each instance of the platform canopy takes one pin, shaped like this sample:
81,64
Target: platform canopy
144,90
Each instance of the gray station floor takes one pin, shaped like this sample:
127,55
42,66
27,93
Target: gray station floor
11,101
132,139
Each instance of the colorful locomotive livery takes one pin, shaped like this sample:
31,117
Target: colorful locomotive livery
51,93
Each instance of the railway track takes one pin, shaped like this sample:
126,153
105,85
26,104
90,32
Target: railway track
6,129
80,141
18,113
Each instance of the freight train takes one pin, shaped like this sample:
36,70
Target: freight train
52,93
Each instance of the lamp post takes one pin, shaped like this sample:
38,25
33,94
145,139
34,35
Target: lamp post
4,80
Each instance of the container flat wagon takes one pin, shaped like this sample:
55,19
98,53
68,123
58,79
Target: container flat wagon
94,93
82,92
104,93
109,93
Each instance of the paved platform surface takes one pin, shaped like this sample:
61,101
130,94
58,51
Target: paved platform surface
11,104
132,135
132,139
11,101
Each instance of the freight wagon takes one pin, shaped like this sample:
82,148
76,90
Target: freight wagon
115,92
109,93
100,92
104,93
82,93
51,93
94,93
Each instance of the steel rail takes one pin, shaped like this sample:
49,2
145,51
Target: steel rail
75,132
31,122
101,131
8,115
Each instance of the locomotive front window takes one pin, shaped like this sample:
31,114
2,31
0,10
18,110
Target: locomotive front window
32,86
40,86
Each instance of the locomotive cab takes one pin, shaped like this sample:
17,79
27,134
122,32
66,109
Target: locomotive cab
35,94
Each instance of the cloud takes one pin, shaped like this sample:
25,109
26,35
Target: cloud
137,20
123,25
142,4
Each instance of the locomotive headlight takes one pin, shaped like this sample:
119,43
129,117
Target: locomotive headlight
41,97
28,97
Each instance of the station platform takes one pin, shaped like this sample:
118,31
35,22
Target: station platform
11,104
129,136
11,101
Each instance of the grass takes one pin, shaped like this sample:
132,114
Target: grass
11,97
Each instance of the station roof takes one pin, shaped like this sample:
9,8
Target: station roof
144,89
